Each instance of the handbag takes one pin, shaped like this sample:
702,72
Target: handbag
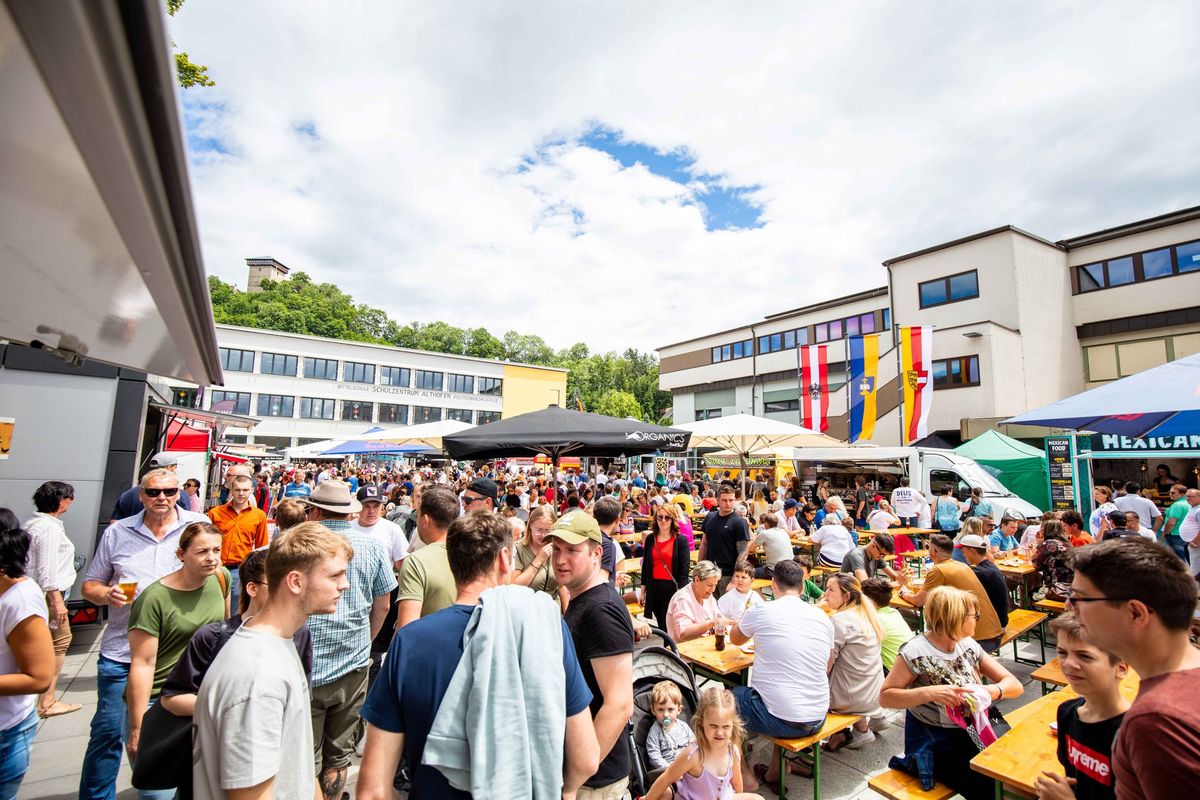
164,759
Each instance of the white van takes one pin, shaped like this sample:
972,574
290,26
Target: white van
928,469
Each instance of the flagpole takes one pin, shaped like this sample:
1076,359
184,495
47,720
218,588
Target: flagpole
799,385
898,346
848,387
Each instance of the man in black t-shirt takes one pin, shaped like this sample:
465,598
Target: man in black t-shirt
975,549
862,501
602,632
726,537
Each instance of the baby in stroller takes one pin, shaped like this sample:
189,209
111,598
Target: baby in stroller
670,732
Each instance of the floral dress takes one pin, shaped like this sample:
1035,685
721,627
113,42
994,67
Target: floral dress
1051,559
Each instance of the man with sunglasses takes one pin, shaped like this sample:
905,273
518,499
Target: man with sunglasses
129,503
1137,600
481,494
138,549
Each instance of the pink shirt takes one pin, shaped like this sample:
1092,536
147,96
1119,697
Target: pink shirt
685,610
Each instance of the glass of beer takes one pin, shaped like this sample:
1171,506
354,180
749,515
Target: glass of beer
128,588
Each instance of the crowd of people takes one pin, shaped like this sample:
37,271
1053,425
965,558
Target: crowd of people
410,616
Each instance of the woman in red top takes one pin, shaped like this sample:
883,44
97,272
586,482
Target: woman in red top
665,562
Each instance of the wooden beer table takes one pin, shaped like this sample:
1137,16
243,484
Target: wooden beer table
730,666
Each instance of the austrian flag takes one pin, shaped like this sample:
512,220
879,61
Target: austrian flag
814,387
916,383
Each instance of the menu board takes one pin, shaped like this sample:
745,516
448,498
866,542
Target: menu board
1061,457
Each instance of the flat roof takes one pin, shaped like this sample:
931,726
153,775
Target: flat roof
389,347
1141,226
973,237
831,303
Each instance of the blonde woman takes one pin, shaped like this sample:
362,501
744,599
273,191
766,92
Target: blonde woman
759,504
856,668
534,567
971,527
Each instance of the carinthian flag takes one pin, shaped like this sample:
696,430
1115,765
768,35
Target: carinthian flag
814,387
864,375
916,357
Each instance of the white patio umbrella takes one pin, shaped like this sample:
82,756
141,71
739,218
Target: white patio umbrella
311,450
747,435
428,434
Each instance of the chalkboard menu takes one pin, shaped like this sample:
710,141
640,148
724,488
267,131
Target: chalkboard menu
1061,457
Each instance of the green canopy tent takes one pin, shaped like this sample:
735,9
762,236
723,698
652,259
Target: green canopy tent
1015,464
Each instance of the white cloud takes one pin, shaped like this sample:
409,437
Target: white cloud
871,129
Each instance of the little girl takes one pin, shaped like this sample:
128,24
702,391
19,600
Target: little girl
711,768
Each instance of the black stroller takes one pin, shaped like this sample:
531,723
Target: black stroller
652,664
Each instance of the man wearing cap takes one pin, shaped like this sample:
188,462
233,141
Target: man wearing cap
603,635
342,640
975,549
129,503
243,528
790,523
948,572
426,582
481,494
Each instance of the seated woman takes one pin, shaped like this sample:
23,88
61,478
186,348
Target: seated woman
836,539
1052,560
856,666
692,612
933,677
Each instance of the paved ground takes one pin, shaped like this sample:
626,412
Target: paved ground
60,744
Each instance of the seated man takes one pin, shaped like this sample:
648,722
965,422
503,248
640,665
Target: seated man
774,543
947,572
976,551
864,562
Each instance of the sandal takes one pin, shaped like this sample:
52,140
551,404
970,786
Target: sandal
836,742
62,708
760,772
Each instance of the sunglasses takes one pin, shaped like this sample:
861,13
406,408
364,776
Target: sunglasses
468,500
662,517
171,492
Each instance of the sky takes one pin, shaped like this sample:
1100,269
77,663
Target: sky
636,174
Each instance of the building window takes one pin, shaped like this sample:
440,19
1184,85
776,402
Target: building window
461,384
316,408
1138,267
356,411
459,414
821,332
429,380
707,413
951,289
237,360
728,352
184,398
393,414
423,414
358,373
951,372
277,364
779,406
275,405
484,417
395,376
887,319
230,402
491,386
323,369
274,442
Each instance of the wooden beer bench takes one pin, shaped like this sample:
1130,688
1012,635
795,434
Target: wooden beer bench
1020,622
899,785
833,724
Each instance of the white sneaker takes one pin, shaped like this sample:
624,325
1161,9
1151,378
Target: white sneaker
860,739
878,724
358,748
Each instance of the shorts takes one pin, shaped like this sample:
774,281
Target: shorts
335,708
613,791
758,719
61,637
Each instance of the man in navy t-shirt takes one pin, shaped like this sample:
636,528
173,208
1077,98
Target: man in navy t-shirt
402,705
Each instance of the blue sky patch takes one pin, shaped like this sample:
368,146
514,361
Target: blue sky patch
725,207
307,130
199,122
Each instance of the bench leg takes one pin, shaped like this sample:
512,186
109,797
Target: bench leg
817,771
783,773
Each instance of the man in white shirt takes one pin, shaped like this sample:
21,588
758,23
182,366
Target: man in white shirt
1190,528
1147,512
907,503
789,522
52,566
371,522
774,543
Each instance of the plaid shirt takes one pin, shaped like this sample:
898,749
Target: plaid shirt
342,640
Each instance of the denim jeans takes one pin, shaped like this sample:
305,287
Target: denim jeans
235,588
1177,545
102,760
15,744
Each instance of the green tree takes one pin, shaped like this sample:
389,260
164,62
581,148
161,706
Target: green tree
482,344
616,403
190,74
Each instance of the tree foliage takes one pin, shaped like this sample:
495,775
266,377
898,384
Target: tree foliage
620,385
189,73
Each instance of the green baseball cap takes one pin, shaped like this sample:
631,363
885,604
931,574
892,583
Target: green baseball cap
576,527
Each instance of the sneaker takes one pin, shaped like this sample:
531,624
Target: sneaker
878,724
860,739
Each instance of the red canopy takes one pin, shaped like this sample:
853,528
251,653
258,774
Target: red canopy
185,438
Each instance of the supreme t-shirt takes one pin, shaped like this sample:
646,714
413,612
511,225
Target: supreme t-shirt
1085,751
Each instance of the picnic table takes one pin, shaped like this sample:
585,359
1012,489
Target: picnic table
918,556
1051,674
730,666
1022,569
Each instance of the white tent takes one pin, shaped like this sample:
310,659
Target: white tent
312,450
428,434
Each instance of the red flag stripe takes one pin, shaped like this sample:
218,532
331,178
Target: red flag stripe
823,378
914,417
805,382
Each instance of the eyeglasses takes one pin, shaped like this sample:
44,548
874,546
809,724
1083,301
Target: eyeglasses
662,517
171,492
1073,599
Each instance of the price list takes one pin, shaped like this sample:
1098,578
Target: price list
1062,472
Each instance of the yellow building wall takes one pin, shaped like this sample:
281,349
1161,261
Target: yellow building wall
532,389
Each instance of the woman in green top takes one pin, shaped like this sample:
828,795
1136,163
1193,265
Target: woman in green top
533,553
166,614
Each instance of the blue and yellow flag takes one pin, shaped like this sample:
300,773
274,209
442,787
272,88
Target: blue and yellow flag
864,376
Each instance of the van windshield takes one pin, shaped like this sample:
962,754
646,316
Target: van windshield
977,476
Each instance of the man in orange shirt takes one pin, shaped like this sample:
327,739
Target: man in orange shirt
243,528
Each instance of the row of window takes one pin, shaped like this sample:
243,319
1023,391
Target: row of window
278,405
950,289
960,371
822,332
326,369
1137,267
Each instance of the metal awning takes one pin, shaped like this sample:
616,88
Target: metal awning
98,238
215,418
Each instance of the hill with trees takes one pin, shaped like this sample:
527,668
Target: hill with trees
620,385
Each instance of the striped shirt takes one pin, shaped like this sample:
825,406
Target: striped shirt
129,551
342,640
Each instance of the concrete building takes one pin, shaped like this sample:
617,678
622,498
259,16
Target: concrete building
1019,321
309,388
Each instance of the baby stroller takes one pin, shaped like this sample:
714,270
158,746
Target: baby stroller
652,664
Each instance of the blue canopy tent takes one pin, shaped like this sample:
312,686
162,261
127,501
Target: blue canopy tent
358,447
1162,401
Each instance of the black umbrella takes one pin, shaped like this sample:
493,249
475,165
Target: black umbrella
557,432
